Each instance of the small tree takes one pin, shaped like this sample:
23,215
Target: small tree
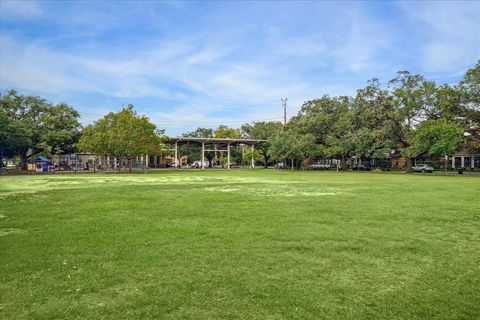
225,132
293,146
192,151
262,131
435,138
123,134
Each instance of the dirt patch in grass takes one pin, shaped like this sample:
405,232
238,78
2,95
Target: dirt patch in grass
9,231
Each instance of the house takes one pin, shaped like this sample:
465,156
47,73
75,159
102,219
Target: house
466,157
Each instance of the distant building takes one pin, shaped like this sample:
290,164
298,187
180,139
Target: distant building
466,157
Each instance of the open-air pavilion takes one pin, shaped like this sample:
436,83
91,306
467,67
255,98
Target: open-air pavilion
212,144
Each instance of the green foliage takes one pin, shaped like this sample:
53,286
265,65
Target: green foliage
256,154
263,130
13,135
225,132
291,145
435,138
470,87
193,150
373,123
380,120
469,101
200,133
122,134
30,125
62,128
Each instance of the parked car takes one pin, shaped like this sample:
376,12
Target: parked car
198,164
320,166
422,168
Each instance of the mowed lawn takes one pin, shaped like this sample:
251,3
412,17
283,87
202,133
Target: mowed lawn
239,245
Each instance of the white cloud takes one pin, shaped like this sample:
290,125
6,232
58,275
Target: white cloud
360,42
253,85
452,34
11,10
209,76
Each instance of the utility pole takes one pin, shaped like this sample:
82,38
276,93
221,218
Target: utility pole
284,104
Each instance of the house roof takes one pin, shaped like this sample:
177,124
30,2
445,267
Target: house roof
466,149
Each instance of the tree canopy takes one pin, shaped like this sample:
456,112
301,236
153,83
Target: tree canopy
409,115
263,130
29,125
122,134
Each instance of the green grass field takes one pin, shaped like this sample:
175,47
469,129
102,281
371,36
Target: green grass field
239,245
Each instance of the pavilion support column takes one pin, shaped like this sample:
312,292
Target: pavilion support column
463,162
253,160
176,154
203,155
228,156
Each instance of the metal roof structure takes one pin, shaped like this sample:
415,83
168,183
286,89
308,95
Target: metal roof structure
216,140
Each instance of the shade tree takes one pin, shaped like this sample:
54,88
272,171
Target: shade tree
123,134
30,125
262,130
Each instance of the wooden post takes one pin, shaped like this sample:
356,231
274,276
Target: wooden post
253,160
176,154
228,156
203,155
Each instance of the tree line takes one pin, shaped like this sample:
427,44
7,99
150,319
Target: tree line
409,116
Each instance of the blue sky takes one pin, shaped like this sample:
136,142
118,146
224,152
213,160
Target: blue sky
189,64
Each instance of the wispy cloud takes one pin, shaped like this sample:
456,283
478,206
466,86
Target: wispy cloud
450,32
186,64
12,10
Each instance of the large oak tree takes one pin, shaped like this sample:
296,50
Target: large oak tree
29,125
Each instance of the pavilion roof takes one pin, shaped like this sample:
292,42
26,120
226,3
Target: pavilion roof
216,140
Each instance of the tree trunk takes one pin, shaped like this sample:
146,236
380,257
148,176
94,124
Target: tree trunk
265,161
409,164
1,162
210,164
24,159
